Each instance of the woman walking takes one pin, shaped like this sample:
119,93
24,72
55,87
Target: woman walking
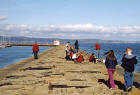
128,62
110,64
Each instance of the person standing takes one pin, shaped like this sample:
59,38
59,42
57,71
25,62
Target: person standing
35,50
98,48
67,49
110,64
76,45
128,63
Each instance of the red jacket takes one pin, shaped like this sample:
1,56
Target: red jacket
97,46
35,48
80,58
91,58
71,54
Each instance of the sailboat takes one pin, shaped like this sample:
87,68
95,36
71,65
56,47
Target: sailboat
3,44
8,44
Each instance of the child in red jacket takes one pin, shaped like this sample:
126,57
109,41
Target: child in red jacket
80,58
92,58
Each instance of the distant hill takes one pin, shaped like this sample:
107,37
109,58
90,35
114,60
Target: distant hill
50,40
27,39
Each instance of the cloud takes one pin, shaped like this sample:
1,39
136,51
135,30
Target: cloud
74,31
3,17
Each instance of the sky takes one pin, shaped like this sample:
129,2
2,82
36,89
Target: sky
72,19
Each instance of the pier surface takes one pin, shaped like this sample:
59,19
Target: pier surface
51,74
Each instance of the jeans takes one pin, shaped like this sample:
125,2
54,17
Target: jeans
35,55
128,77
111,79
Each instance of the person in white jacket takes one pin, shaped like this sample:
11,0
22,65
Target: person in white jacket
67,49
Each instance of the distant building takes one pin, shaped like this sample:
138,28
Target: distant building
56,42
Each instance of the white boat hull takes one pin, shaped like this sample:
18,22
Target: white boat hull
2,46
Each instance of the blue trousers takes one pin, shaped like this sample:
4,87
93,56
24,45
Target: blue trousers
128,77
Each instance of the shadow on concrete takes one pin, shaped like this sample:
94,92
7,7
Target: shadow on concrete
51,86
137,85
118,83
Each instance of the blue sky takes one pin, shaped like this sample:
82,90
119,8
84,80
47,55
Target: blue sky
72,18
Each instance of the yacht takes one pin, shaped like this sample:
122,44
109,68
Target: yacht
2,45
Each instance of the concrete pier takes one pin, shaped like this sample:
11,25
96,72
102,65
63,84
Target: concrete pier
51,74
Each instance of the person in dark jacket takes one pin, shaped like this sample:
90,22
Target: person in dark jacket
76,45
128,63
110,64
35,50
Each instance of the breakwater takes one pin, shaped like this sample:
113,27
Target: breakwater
51,74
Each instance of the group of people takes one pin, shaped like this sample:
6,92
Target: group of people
128,63
73,53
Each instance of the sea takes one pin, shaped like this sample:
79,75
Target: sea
118,48
15,54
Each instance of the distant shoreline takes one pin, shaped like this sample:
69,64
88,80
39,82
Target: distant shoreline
50,40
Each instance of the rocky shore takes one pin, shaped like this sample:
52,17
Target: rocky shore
51,74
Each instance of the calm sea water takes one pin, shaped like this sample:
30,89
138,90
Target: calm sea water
118,48
15,54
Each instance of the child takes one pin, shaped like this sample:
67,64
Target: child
110,64
74,57
80,58
92,58
72,51
128,63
